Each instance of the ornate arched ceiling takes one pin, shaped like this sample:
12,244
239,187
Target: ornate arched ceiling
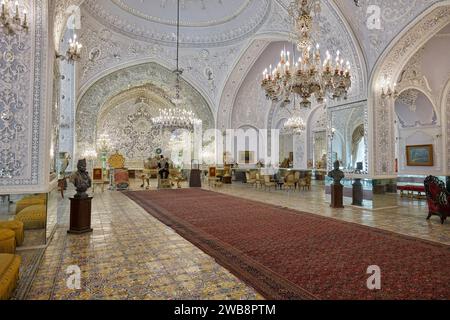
205,23
242,98
395,15
106,51
152,77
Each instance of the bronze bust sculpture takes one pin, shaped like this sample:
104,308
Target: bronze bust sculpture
336,174
81,180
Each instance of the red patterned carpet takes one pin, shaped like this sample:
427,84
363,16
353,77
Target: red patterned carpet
286,254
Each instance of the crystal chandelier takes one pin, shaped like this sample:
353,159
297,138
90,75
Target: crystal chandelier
10,17
178,117
295,125
309,76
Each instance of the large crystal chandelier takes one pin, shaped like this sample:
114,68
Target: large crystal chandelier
178,117
310,76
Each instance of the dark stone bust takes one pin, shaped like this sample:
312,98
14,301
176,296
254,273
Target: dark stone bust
336,174
81,180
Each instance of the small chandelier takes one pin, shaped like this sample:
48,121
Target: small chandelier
309,76
10,17
73,53
295,125
103,143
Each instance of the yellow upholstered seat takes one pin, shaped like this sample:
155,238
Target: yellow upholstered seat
33,217
7,241
30,201
17,227
9,274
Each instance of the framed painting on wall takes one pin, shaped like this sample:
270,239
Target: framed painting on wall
247,157
97,174
419,156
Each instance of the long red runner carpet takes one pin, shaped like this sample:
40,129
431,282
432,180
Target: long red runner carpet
285,254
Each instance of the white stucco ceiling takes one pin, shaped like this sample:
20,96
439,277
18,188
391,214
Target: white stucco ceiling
203,22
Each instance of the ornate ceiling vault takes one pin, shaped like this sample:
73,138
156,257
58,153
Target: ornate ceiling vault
152,78
214,24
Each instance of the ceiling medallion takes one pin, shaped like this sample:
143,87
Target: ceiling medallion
210,23
309,76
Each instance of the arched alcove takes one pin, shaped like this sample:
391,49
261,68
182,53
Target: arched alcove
155,79
387,72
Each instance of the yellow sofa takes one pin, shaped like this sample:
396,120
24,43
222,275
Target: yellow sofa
17,227
9,274
7,241
33,217
29,201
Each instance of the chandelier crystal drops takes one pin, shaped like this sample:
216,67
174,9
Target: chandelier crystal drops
309,76
10,18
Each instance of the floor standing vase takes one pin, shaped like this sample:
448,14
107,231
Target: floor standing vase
80,215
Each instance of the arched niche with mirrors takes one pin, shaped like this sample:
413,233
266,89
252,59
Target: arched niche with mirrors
347,137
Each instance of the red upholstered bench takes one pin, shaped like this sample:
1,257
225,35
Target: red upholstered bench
410,189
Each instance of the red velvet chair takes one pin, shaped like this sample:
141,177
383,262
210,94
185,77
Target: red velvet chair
438,198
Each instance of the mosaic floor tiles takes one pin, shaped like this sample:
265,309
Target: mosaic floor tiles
131,255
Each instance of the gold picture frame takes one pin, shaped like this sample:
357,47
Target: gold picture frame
247,157
420,156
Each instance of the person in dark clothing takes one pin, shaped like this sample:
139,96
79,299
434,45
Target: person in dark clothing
163,166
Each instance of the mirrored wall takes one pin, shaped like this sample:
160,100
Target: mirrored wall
348,137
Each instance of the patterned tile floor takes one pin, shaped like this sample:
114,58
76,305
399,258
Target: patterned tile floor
131,255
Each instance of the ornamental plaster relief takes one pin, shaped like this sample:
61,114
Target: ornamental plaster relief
237,29
395,16
24,123
105,50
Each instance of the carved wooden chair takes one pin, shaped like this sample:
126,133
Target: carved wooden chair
438,198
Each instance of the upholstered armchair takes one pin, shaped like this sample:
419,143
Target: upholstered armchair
438,198
269,183
290,181
251,180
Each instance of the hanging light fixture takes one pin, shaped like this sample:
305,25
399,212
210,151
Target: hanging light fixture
178,117
295,125
309,76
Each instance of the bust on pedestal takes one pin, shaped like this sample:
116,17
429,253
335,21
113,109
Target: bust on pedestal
81,203
337,189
